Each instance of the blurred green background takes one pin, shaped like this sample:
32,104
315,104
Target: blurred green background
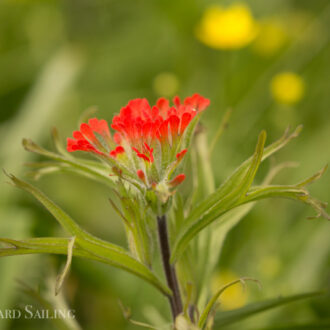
58,58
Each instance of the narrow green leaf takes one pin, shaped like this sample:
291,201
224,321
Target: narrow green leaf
232,191
102,249
237,176
64,219
219,230
229,317
216,296
89,168
84,249
297,192
226,198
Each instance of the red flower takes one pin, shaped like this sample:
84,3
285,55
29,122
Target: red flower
138,123
143,134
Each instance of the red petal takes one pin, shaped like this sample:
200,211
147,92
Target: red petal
117,151
185,120
163,104
117,138
120,150
87,132
163,129
99,126
177,180
144,157
147,147
181,154
197,101
77,135
174,125
71,143
141,175
176,101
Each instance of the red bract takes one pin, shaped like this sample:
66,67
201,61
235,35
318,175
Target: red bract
86,140
138,123
143,134
177,180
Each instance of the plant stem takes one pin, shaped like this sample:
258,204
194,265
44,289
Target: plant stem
170,273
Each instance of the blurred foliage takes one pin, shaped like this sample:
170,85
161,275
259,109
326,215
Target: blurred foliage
127,49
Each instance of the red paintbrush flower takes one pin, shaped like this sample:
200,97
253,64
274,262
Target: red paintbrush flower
148,141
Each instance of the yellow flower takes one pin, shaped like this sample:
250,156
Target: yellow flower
271,38
287,88
166,84
227,28
233,297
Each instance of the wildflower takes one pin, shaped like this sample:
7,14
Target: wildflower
270,39
287,88
148,144
234,296
227,28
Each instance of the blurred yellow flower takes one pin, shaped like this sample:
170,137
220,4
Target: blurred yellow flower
227,28
233,297
287,88
271,38
166,84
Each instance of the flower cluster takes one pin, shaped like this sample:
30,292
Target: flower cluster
147,145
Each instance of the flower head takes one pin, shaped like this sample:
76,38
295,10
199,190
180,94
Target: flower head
287,88
148,142
227,28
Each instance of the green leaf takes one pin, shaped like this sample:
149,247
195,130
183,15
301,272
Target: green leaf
221,228
229,317
237,176
219,232
89,168
64,219
296,192
220,201
235,191
84,249
216,296
112,253
96,170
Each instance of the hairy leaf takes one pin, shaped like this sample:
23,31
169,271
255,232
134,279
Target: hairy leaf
223,198
100,248
236,191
